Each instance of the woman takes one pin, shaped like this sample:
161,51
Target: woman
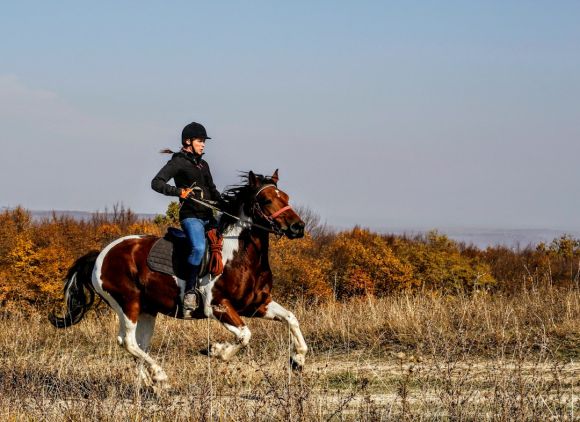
192,178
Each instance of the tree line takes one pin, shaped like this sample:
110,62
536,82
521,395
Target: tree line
324,265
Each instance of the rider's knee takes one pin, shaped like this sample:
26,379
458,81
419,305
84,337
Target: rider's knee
196,255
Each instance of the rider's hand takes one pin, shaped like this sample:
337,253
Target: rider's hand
196,192
192,193
185,192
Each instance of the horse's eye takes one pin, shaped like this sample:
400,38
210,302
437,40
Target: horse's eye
266,202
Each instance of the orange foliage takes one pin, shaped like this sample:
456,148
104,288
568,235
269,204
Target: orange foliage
364,263
439,264
35,256
298,273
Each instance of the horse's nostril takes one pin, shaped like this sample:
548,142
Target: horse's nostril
297,227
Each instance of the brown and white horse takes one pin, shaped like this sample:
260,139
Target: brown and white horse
121,276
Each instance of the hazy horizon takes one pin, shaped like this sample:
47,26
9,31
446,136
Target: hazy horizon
378,228
481,237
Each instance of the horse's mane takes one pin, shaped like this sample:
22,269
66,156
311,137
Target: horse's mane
235,196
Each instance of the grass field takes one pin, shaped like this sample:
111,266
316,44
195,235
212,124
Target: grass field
405,357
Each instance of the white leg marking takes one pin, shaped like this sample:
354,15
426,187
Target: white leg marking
277,312
122,329
130,343
144,332
226,351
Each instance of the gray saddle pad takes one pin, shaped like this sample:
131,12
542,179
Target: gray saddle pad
169,255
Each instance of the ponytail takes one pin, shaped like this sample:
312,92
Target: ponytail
166,151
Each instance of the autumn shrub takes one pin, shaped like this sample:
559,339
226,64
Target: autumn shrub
438,263
363,263
12,224
35,255
555,264
563,258
325,264
299,270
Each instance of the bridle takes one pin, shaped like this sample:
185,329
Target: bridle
258,211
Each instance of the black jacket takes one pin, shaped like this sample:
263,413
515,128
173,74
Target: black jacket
186,168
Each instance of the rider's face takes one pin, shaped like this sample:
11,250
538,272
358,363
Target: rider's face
198,145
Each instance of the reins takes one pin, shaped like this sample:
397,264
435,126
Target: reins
245,223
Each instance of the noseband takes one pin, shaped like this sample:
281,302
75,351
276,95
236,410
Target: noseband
260,212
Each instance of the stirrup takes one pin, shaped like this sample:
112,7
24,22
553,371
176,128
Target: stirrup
190,302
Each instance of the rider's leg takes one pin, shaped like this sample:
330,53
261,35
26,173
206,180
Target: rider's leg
194,228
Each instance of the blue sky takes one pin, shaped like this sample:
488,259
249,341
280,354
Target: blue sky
382,114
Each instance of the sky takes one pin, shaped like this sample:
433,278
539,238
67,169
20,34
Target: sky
409,114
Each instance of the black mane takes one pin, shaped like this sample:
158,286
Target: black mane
236,196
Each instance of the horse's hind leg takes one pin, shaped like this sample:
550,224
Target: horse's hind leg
145,327
131,344
128,337
277,312
144,332
226,314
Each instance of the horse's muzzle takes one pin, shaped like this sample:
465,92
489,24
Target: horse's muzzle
296,230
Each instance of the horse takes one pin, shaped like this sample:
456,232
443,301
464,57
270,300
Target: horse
119,274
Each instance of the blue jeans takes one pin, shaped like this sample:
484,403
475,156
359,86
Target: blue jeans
194,228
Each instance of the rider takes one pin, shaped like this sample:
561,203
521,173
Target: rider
192,178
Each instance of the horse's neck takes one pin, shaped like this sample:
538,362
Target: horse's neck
240,237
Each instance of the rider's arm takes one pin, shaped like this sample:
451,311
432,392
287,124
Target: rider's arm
159,182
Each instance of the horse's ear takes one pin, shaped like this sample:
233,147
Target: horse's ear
252,179
275,176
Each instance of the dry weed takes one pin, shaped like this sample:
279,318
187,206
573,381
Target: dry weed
406,357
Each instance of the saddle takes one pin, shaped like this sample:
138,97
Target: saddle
169,254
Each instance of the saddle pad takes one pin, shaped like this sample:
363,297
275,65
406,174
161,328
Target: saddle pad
169,256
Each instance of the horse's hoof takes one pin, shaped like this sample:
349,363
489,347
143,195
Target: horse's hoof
159,377
217,350
224,351
160,388
297,363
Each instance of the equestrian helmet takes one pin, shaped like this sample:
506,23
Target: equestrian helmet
192,131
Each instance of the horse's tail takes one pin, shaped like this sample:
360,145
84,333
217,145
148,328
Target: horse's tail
78,279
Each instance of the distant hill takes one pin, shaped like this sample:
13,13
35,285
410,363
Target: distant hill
482,238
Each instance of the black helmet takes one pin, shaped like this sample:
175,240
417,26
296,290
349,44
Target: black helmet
193,130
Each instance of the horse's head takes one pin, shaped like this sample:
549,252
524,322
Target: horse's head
270,205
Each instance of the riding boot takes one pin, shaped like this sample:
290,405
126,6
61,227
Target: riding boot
190,297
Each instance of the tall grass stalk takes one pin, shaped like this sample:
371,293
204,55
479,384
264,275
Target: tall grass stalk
405,357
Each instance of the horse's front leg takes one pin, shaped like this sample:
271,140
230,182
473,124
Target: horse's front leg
277,312
227,315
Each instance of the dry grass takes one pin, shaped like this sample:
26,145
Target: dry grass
407,357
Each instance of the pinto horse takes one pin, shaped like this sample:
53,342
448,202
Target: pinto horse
120,275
